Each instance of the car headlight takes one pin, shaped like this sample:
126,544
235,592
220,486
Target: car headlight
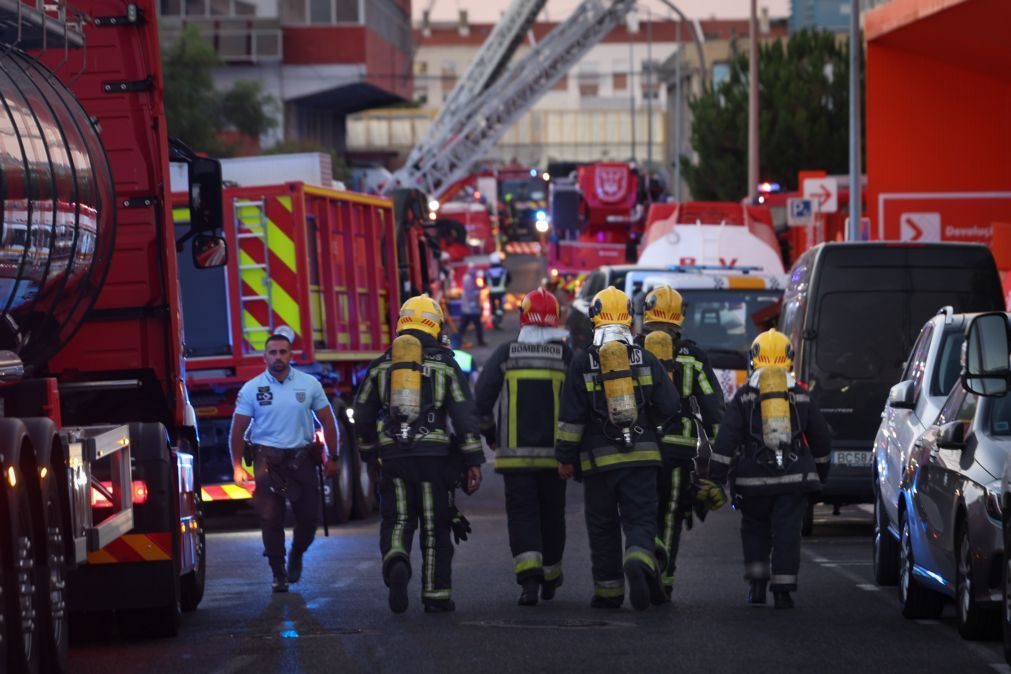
993,500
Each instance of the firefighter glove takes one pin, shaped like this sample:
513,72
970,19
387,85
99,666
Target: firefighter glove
460,524
711,495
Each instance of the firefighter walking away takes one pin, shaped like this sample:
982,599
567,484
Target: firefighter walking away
404,408
606,430
688,367
517,402
775,435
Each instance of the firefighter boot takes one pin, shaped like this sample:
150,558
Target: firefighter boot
294,566
782,599
756,594
528,595
398,576
638,575
549,587
439,606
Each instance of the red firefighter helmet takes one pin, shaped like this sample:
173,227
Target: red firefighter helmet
539,307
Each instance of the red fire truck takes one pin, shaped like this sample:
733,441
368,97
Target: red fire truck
98,495
332,268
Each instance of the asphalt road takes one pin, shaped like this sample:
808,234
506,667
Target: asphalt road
336,619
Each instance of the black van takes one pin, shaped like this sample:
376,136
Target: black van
852,311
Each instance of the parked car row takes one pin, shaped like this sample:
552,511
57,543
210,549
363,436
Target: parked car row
939,499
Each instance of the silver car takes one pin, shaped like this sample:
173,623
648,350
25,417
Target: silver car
951,542
929,374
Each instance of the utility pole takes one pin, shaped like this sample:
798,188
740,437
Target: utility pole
853,232
753,163
631,79
649,102
677,118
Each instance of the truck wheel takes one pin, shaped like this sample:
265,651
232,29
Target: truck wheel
191,586
365,487
51,559
342,491
23,600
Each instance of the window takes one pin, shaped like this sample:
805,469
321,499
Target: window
721,74
951,405
947,367
593,285
320,11
196,7
918,360
562,84
619,76
420,68
219,8
588,79
650,80
1000,415
171,7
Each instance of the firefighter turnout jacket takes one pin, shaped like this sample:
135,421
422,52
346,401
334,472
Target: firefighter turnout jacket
799,465
445,397
587,438
526,379
693,377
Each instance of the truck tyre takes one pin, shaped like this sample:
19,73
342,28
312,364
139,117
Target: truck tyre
365,486
191,585
342,491
51,558
23,600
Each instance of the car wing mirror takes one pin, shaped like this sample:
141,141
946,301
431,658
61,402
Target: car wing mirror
986,355
902,396
952,435
209,251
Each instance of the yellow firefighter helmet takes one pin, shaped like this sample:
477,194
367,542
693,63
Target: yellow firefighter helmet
611,307
663,305
771,348
421,313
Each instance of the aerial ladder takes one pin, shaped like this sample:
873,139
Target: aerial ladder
482,112
491,60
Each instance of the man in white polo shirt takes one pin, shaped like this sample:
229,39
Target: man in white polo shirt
277,409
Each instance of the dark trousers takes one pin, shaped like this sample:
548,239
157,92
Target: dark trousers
674,506
535,510
497,301
617,500
771,525
413,491
466,320
281,477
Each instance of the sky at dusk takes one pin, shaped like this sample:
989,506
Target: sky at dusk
481,11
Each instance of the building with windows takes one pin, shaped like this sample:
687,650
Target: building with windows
588,115
321,59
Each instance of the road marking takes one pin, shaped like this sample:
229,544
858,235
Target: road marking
362,566
1001,667
342,583
979,650
868,587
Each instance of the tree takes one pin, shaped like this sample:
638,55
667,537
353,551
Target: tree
803,117
192,106
196,113
248,109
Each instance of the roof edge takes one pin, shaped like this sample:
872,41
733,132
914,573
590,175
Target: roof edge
898,14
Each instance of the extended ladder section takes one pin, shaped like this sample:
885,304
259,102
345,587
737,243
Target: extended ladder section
87,447
490,61
482,121
255,296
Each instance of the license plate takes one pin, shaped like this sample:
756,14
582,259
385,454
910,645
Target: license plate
852,458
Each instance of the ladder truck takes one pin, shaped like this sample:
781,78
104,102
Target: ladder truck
99,500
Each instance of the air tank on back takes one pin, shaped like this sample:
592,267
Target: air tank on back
58,202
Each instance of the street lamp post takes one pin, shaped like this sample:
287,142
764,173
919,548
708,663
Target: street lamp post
753,165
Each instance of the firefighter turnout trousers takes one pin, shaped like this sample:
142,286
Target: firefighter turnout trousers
771,525
413,490
535,508
616,500
674,507
285,475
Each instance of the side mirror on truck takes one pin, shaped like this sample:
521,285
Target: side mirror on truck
986,355
206,203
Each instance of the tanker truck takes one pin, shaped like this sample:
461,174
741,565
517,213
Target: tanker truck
99,500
